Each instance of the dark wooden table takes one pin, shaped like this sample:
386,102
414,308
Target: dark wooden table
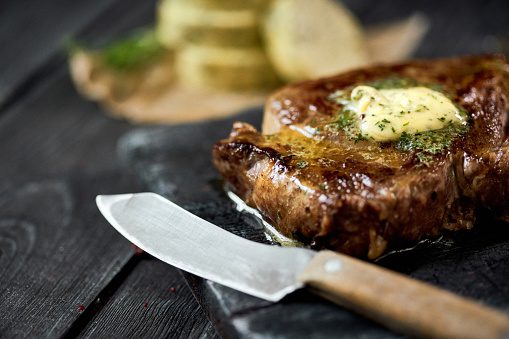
63,271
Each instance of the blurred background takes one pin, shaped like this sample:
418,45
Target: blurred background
154,60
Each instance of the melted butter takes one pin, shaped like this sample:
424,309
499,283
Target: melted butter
385,114
326,153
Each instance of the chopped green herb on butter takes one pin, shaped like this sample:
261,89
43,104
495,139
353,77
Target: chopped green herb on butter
416,117
379,111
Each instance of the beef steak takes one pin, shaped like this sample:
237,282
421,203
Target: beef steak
317,185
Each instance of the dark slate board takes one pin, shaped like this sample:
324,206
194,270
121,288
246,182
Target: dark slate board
175,161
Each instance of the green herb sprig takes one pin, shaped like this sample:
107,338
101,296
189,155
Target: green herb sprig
132,52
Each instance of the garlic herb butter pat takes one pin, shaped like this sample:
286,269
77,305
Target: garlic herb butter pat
385,114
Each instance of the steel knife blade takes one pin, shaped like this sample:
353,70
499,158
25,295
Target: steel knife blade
179,238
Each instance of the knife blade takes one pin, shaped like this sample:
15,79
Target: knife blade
179,238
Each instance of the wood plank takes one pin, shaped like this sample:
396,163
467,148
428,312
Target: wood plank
154,294
32,32
54,130
57,253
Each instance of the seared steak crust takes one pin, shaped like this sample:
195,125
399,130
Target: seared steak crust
363,198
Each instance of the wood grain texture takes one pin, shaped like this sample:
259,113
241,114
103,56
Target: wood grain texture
53,130
153,302
32,32
405,305
57,253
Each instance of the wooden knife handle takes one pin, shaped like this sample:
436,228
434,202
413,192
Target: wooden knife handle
403,304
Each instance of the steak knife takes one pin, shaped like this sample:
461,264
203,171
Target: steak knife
181,239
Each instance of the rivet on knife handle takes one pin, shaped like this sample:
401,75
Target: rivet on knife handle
401,303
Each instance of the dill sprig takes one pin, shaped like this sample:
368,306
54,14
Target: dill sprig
132,52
